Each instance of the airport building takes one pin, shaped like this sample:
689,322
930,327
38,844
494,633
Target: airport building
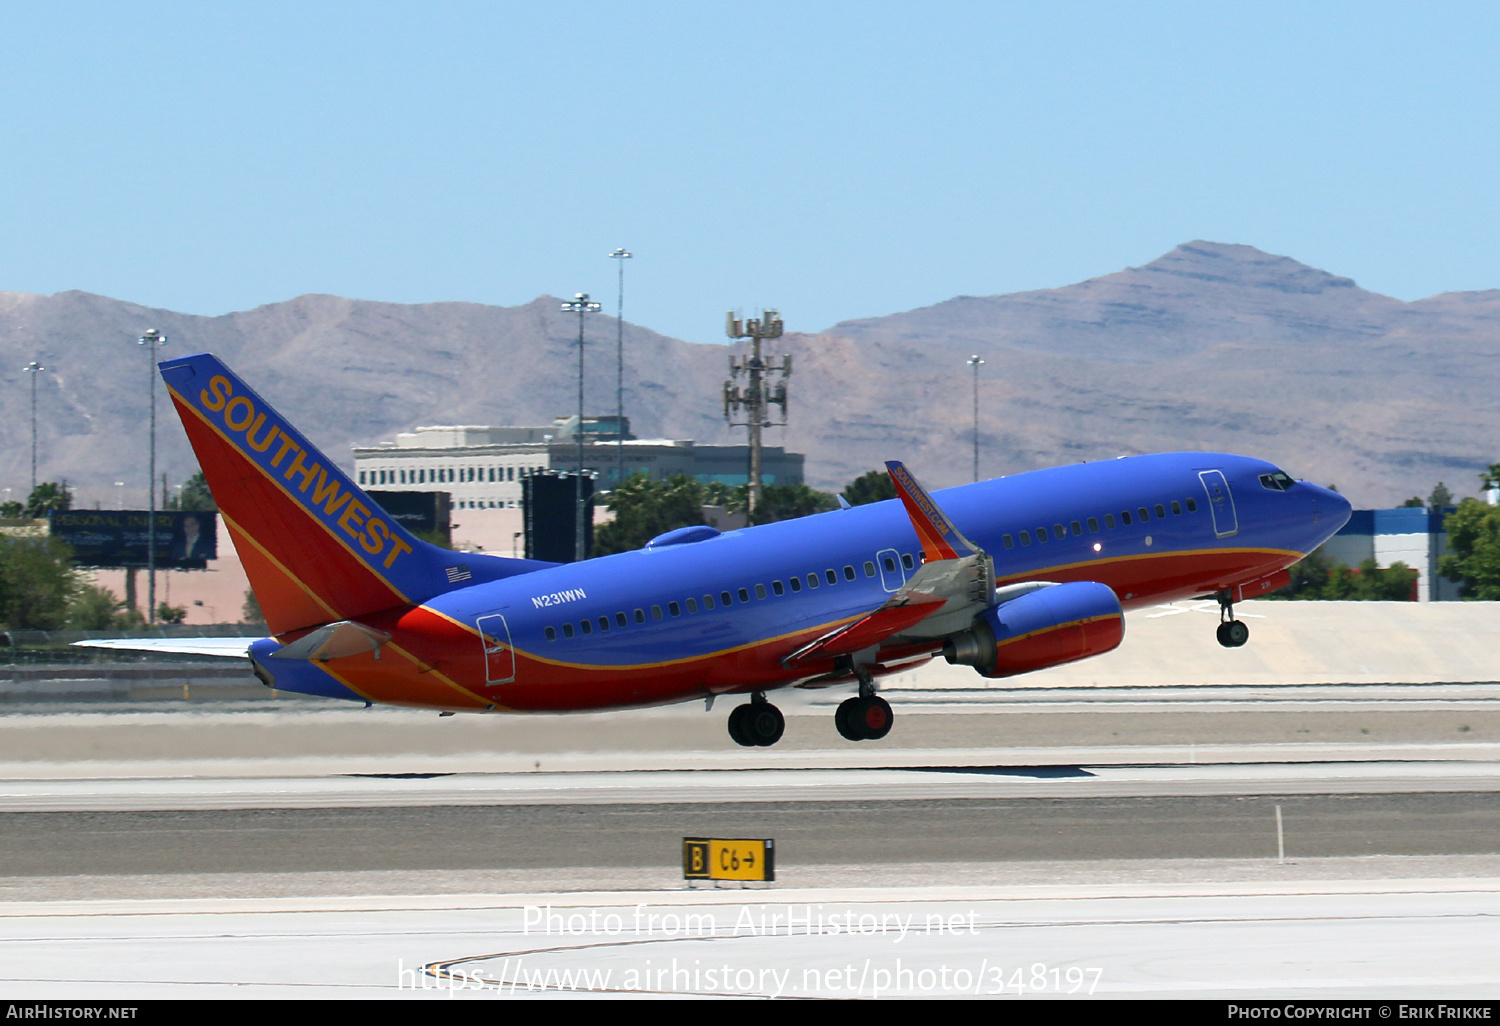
1411,535
483,467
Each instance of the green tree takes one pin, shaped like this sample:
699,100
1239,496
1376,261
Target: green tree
1320,577
48,497
94,608
788,502
1474,549
194,496
11,510
875,486
170,614
645,508
37,582
1441,496
251,612
1413,502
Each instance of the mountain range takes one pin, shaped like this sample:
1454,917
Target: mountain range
1212,346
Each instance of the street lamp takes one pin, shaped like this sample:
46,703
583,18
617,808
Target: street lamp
621,255
33,368
149,341
580,305
975,362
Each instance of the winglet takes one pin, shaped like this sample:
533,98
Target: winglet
939,538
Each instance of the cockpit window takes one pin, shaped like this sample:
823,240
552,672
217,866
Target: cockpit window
1277,482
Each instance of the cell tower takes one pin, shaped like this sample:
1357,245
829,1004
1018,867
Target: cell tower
765,386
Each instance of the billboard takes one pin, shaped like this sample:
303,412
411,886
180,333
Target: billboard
185,539
551,516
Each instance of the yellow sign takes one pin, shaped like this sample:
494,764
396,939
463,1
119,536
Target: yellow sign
706,858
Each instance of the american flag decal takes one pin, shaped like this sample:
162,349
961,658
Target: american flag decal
458,573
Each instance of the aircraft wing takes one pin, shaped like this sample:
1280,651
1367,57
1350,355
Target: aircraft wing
219,647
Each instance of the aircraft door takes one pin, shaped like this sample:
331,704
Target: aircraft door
1220,503
499,658
892,574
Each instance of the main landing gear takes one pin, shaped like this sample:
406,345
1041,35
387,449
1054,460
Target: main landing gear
866,716
757,725
1232,633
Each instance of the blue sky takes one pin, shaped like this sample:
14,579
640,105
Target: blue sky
833,160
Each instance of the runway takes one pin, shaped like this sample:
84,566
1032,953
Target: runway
153,851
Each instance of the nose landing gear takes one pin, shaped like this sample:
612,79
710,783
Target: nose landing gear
1232,633
757,725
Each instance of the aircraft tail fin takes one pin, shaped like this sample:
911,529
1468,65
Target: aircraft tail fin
316,548
939,538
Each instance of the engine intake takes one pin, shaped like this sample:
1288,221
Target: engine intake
1046,627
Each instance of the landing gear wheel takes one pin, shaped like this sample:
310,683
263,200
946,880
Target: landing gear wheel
737,726
867,718
1233,633
843,719
757,725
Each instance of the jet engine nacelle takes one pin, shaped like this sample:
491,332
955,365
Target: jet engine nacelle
1046,627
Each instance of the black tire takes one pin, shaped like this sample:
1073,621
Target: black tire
1237,633
1223,635
843,719
764,724
875,718
737,726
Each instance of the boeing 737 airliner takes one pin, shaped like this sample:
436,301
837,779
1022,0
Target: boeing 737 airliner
1006,576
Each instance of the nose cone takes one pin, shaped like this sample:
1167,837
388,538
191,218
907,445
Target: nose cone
1329,512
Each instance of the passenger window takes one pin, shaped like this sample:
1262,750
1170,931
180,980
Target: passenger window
760,591
795,582
551,633
656,612
1077,528
1025,538
812,580
1125,518
1176,508
586,626
1058,532
907,561
1109,521
1143,514
1161,511
1041,535
1007,541
604,623
674,609
1192,506
620,620
567,630
744,595
869,569
640,616
708,601
1093,525
831,577
724,599
777,588
890,565
848,573
692,605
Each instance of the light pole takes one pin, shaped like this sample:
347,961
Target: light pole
33,368
620,255
975,362
119,495
149,341
580,305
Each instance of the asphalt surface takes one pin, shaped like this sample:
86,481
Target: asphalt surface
889,833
